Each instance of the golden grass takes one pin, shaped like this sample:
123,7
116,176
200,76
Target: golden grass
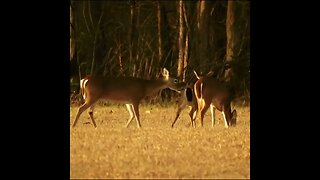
157,150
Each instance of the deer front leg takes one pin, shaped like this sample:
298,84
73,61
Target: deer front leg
131,112
180,108
136,113
226,112
234,117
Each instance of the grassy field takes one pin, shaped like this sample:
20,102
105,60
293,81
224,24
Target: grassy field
157,150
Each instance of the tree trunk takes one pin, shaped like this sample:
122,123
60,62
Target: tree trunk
72,43
230,38
186,46
75,73
166,38
98,42
133,38
180,41
160,21
203,35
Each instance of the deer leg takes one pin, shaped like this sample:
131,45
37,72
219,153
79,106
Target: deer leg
180,108
203,112
192,114
136,113
91,115
82,108
234,117
131,112
226,112
200,103
213,118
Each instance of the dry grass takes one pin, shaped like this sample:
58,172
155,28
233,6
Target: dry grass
157,150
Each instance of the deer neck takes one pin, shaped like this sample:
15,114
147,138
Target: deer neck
155,86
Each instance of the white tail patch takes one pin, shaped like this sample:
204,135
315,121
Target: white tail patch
201,105
83,83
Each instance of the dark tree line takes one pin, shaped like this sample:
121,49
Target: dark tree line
137,38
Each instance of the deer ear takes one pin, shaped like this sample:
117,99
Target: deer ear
165,73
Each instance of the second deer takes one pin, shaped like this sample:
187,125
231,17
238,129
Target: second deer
210,92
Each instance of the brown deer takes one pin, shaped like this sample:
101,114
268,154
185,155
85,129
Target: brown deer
188,98
129,90
209,91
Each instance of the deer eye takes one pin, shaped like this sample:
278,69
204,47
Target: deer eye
176,81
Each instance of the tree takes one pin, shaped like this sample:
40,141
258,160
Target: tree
181,58
72,43
133,35
160,34
230,29
202,26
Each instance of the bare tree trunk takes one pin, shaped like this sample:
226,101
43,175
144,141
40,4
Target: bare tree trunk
160,48
72,44
166,38
133,36
230,38
192,31
203,35
180,41
186,46
97,32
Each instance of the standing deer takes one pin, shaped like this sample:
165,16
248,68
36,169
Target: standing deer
129,90
209,91
188,98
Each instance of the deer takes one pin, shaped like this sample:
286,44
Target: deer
128,90
188,98
210,92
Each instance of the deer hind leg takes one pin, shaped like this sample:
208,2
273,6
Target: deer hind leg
199,107
213,119
203,112
192,114
81,109
131,112
180,108
91,115
226,112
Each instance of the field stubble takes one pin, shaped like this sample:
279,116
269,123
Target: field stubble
157,150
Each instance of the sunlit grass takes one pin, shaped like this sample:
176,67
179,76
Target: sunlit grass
157,150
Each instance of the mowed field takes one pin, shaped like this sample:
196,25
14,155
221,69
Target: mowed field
156,150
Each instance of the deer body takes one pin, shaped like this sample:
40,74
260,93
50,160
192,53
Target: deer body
128,90
212,93
124,89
